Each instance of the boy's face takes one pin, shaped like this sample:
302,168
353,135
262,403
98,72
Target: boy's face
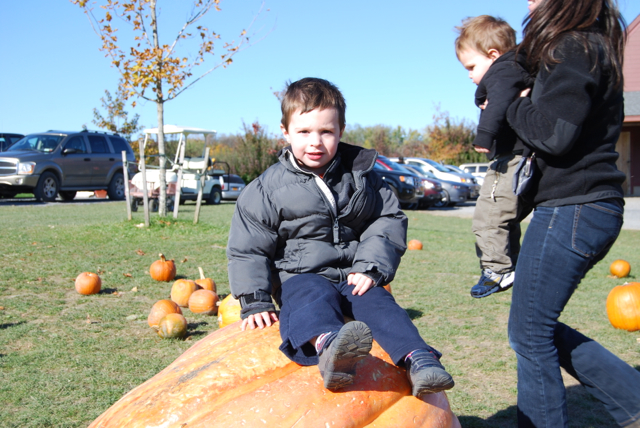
477,63
314,136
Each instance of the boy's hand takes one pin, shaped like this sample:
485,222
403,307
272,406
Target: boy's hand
361,283
261,320
525,92
480,149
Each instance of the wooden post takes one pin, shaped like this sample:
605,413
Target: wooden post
200,190
125,172
145,197
176,201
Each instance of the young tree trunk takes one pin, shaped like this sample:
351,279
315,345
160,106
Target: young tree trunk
162,200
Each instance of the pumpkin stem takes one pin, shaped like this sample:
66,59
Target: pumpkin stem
162,257
201,272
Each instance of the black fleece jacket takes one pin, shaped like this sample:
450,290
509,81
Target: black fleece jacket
572,121
501,85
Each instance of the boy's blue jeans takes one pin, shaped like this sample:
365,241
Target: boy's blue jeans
312,305
561,244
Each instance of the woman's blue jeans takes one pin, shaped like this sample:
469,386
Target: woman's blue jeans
561,244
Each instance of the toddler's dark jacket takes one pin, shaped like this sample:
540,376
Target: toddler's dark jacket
578,112
501,85
284,225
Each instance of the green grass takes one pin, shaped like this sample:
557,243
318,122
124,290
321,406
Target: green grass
65,358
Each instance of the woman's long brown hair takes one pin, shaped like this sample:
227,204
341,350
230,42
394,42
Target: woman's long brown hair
554,18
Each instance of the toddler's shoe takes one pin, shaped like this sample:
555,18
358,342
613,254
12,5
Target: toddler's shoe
338,359
426,374
491,282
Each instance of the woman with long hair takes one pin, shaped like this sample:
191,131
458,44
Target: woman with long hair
571,121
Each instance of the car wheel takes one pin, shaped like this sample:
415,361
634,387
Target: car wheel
444,201
47,188
116,187
215,197
67,195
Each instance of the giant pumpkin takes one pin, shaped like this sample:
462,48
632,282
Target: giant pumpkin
235,378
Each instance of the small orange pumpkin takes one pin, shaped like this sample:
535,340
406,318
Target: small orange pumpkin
414,244
88,283
163,269
162,308
203,302
620,268
623,306
172,326
228,311
206,283
182,290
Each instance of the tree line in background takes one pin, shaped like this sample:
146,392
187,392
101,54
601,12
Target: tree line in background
253,150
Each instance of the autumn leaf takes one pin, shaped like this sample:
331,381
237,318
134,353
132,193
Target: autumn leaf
140,252
128,275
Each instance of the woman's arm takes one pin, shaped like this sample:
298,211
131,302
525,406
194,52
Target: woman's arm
551,120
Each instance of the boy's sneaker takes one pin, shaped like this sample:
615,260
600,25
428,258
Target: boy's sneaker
338,359
491,282
426,374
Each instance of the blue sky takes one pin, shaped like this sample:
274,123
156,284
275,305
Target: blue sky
394,62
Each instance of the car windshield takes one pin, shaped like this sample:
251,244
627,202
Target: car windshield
394,166
37,142
436,165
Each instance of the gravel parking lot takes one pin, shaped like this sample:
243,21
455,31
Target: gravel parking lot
631,212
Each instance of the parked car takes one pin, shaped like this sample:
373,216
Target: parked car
440,172
478,180
406,185
232,186
55,162
478,170
7,140
431,188
452,192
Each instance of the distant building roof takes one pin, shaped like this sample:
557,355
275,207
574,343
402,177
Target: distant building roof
631,68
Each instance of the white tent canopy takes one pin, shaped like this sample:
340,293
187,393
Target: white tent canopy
174,129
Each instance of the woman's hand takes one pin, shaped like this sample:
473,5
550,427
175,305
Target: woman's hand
261,320
480,149
361,283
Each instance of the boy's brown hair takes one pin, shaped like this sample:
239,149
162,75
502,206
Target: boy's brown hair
309,94
484,33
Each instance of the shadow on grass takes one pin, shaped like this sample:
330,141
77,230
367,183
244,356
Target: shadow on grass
414,313
584,411
11,324
193,326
